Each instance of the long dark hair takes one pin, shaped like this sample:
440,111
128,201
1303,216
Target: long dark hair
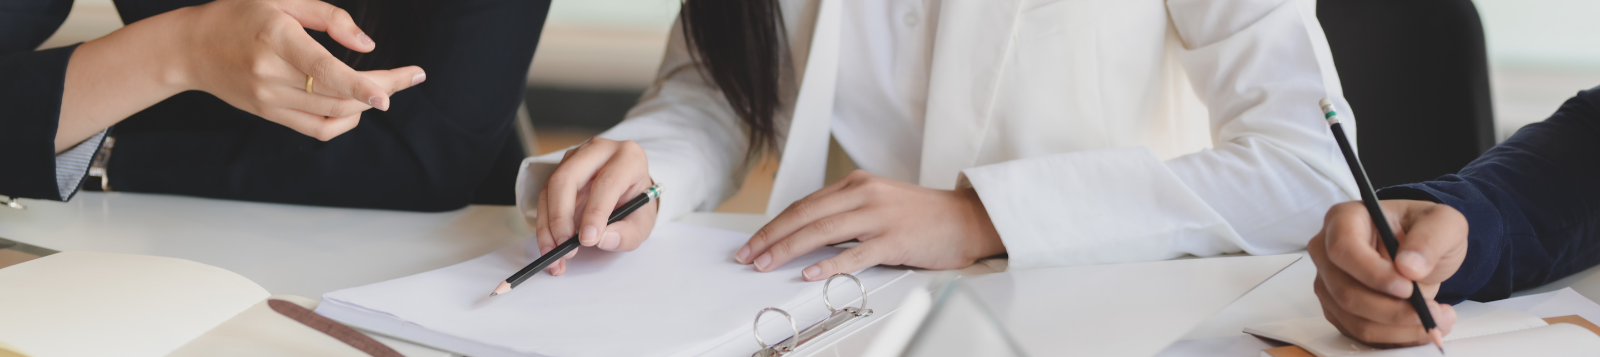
741,44
396,25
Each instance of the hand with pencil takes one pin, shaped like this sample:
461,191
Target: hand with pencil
594,180
1363,293
1377,283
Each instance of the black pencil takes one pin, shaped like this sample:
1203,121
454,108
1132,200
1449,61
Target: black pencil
562,249
1369,197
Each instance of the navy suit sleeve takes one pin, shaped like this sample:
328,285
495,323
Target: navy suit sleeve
1532,204
31,84
434,149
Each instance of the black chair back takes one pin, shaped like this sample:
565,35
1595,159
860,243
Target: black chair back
1417,77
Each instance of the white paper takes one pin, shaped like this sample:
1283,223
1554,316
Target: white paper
1557,340
679,293
105,304
1318,336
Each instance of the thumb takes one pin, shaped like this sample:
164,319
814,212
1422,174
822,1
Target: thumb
1435,243
321,16
627,234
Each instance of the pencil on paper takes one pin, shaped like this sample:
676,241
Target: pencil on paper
571,244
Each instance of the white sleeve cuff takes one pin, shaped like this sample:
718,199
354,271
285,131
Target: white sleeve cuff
1096,207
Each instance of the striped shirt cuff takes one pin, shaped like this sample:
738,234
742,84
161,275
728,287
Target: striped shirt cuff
73,165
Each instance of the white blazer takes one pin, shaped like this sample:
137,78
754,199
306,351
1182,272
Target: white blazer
1094,131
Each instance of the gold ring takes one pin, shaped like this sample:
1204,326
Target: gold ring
308,85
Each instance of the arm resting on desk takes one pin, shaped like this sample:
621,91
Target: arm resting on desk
1532,204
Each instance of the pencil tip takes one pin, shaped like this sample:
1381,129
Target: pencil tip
502,289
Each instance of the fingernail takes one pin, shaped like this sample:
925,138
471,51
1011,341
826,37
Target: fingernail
1400,288
590,235
811,272
744,252
364,39
378,102
611,241
761,263
417,79
1412,260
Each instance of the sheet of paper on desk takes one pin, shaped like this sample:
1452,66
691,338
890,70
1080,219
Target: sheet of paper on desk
1558,340
678,294
1319,337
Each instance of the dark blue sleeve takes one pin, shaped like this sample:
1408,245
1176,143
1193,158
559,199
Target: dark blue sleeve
31,83
1532,204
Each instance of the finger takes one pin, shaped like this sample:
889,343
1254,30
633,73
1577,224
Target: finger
337,79
868,254
542,228
1434,244
1349,239
312,125
1366,331
627,234
1372,305
622,174
321,16
398,79
560,267
569,177
799,214
317,104
823,231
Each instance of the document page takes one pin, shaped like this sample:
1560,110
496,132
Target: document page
680,293
106,304
1558,340
1318,336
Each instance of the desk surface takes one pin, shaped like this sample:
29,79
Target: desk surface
280,246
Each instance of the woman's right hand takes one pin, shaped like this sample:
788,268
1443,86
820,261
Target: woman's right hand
591,181
256,54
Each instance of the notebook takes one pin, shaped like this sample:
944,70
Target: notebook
1480,330
679,294
105,304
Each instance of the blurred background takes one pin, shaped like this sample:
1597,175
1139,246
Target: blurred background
597,56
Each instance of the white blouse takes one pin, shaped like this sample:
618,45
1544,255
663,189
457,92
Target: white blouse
883,84
1094,131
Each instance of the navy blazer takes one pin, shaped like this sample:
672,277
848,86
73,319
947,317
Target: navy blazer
443,144
1532,205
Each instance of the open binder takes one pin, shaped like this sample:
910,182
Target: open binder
679,295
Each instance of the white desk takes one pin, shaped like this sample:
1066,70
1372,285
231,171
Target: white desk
308,251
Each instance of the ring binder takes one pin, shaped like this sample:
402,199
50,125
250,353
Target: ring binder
838,319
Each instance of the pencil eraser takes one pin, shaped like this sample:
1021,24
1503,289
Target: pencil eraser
1325,102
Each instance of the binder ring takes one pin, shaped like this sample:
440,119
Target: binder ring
826,298
792,326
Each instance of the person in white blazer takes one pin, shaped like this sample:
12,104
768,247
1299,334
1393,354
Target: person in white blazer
1059,132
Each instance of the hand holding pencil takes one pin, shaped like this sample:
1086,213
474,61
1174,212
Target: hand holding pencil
1375,283
1363,293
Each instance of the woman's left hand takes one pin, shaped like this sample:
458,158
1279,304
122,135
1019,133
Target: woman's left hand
898,223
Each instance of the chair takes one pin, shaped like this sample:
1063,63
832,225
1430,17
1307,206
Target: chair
1417,78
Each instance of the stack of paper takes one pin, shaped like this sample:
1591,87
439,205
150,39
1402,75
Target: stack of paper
678,294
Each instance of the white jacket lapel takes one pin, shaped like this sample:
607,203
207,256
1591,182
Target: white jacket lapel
971,47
